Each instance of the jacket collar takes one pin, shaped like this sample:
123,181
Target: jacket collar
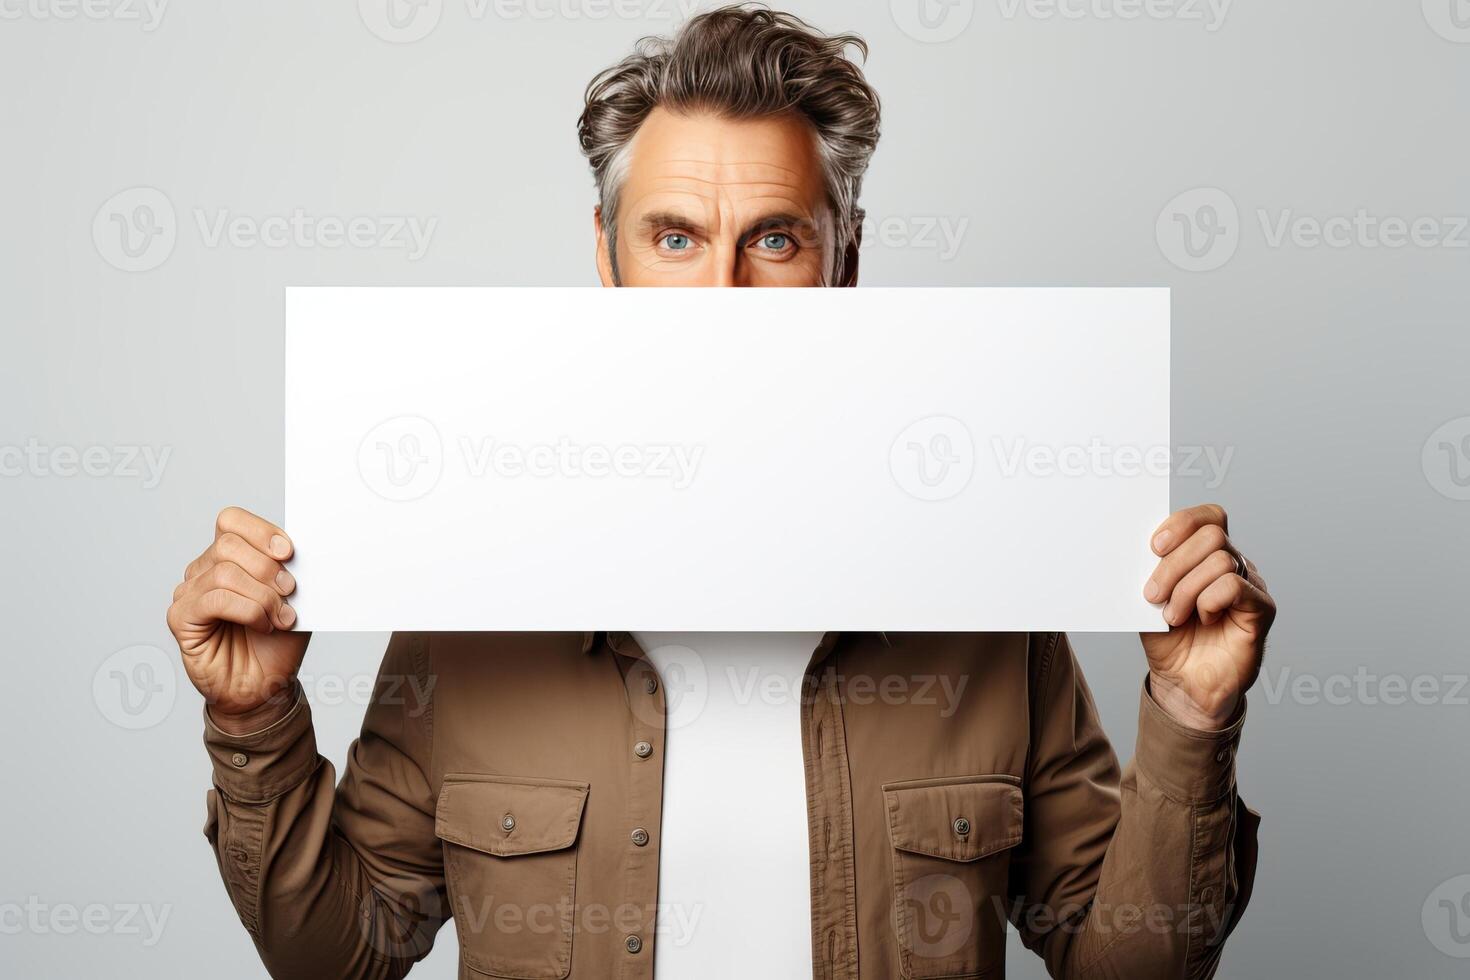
625,644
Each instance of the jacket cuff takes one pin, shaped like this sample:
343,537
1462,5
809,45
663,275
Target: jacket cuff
1187,765
263,765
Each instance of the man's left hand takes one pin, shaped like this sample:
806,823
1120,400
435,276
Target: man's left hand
1218,611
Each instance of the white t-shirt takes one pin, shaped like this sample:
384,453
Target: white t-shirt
734,893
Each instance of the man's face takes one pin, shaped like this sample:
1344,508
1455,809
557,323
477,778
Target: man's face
711,201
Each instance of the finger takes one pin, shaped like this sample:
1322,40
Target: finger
200,610
264,536
1181,525
1183,559
1252,573
1181,604
228,575
202,563
1232,592
230,546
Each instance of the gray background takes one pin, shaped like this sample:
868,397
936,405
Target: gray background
1059,142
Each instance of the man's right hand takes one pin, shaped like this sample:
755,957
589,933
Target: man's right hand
232,623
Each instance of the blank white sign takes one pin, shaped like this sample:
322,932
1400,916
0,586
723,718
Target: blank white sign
725,459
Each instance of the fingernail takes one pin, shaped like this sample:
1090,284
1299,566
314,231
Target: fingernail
280,547
1161,541
1151,592
288,615
285,582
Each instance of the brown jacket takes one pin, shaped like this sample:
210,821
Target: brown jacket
514,782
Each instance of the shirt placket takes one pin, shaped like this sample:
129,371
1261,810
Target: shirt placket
636,916
829,816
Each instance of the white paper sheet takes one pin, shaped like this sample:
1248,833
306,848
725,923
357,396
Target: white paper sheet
735,459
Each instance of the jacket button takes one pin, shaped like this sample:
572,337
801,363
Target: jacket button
962,826
642,750
640,836
508,822
633,944
239,760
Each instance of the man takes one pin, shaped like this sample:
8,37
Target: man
519,782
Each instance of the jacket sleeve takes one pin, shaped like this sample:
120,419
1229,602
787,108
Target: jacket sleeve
1131,875
334,883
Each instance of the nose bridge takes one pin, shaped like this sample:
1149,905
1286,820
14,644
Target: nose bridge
724,267
726,246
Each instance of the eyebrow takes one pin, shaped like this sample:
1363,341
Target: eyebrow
655,220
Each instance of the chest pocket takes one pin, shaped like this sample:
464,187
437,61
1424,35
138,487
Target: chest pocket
510,860
952,840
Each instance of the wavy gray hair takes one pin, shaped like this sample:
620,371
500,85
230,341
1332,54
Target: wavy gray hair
741,61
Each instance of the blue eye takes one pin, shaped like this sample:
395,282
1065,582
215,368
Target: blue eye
776,242
676,242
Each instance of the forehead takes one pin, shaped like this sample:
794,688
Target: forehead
706,155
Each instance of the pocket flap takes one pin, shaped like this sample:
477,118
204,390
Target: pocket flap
958,819
509,815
